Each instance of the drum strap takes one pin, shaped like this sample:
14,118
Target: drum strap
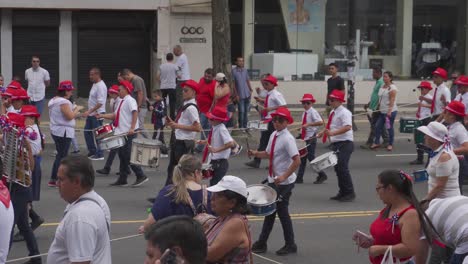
96,202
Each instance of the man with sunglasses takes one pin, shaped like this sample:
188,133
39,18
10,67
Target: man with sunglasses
38,79
339,130
284,160
271,103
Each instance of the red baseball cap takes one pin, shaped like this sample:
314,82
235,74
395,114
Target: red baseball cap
14,84
127,85
307,98
337,94
218,113
191,84
29,110
441,72
425,85
283,112
456,108
271,79
114,89
16,119
66,86
462,80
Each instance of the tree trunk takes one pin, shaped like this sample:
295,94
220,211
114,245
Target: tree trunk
221,37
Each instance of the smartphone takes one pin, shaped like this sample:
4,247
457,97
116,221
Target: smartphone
170,257
362,236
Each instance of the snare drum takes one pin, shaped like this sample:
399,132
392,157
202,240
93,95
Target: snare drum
262,199
302,147
409,124
420,175
113,142
104,131
145,152
324,161
207,171
257,124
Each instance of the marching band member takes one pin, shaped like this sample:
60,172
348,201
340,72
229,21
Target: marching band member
340,130
284,161
462,96
6,101
441,96
126,123
311,119
218,144
424,114
272,101
6,219
184,127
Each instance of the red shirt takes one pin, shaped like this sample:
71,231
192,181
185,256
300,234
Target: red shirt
206,95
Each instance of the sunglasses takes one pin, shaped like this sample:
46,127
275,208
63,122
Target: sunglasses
306,103
278,119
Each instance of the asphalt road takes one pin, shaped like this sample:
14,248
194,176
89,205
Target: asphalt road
323,228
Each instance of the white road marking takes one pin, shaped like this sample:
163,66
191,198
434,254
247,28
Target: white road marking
394,155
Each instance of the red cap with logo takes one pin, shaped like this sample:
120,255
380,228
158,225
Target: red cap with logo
425,85
192,84
338,95
283,112
441,72
114,89
14,84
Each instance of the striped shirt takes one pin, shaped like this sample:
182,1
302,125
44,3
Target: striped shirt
450,218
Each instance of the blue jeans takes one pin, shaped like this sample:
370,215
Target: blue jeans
205,124
62,144
380,126
244,108
458,258
93,147
39,105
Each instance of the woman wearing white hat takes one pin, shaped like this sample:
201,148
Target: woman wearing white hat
228,237
443,163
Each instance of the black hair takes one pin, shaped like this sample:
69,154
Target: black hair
460,119
97,70
169,56
209,71
79,166
334,65
377,69
180,231
61,93
241,206
390,74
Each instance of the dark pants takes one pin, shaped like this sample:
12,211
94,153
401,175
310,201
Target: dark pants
420,152
220,167
110,159
178,149
345,183
158,133
441,255
373,122
284,193
172,101
264,138
458,258
380,126
91,123
312,143
20,197
62,144
179,98
124,156
36,179
462,172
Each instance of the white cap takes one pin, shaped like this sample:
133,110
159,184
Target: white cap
231,183
435,130
220,76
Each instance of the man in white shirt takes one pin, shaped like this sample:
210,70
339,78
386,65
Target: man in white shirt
184,128
462,96
441,96
96,105
167,77
340,131
38,79
83,235
284,160
184,72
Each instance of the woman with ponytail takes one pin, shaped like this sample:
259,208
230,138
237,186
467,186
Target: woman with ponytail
399,224
186,196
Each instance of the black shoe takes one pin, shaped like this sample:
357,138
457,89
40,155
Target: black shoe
119,183
37,223
140,181
416,162
287,249
259,247
252,164
301,181
103,171
18,237
36,260
321,179
347,198
336,197
151,200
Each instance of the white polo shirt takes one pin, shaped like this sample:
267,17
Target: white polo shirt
457,134
188,117
219,138
83,233
36,143
464,99
285,150
98,95
425,112
126,114
342,117
36,85
275,98
6,224
439,106
312,117
182,63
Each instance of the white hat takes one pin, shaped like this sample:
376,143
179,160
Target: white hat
220,76
231,183
435,130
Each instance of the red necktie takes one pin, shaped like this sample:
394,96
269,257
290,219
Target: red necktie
304,121
179,113
433,101
418,113
205,151
461,97
117,116
265,105
272,153
324,138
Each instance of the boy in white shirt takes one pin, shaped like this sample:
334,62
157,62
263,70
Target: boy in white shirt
424,114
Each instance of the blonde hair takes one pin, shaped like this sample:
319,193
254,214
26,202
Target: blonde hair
187,166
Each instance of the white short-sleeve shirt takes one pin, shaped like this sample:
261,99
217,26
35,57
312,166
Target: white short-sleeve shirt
36,85
425,112
341,118
285,150
129,105
6,225
59,125
220,137
36,143
464,99
188,117
275,98
439,169
312,117
183,64
441,90
83,233
98,95
457,134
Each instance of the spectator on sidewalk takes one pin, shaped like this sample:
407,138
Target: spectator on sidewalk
38,80
335,82
184,73
242,91
167,76
205,101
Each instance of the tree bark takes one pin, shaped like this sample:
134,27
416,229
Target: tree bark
221,37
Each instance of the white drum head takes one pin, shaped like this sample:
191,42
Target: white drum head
260,194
